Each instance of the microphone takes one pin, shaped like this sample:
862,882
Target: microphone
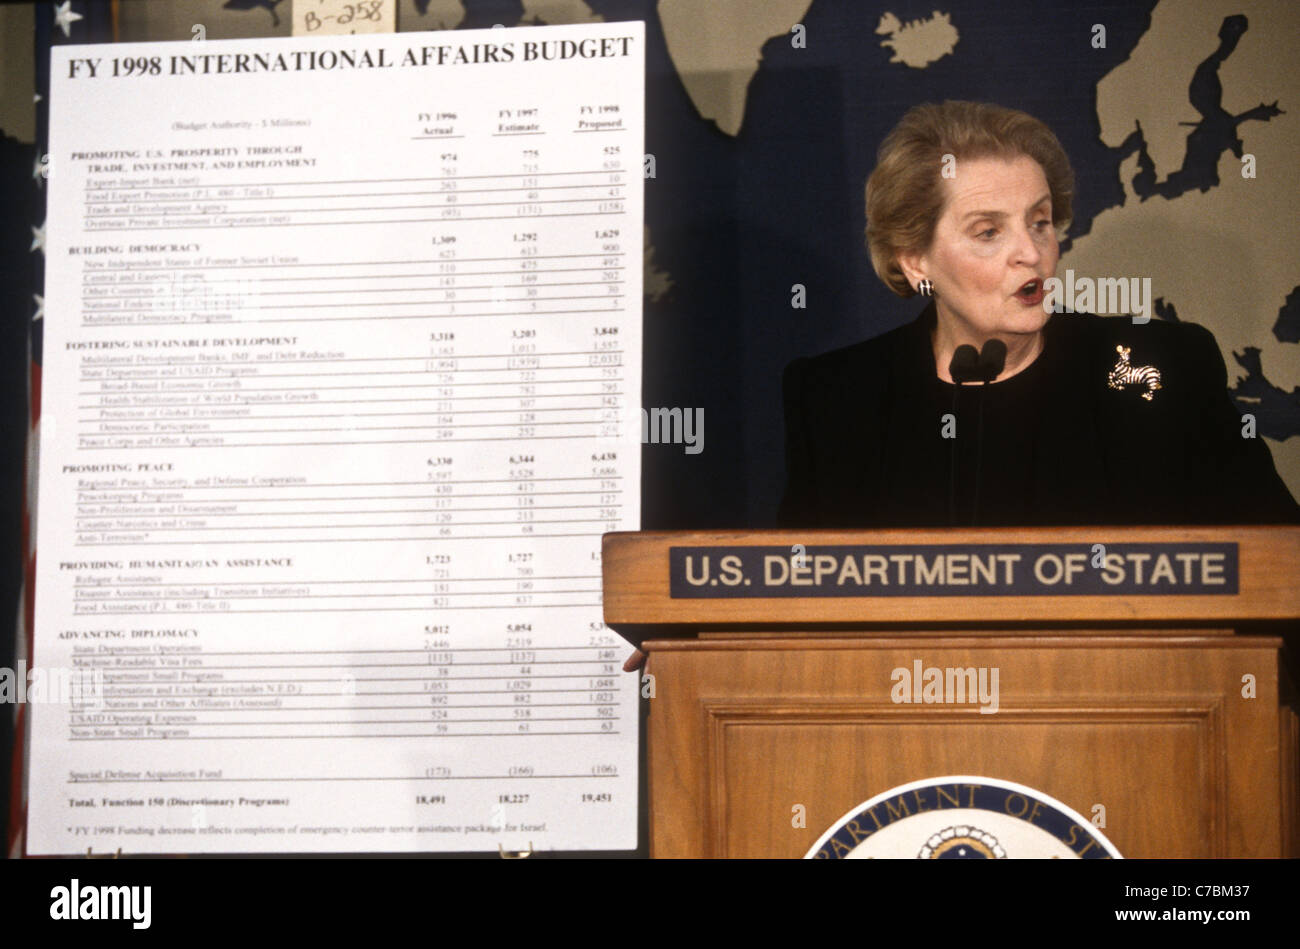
965,364
993,358
969,366
984,366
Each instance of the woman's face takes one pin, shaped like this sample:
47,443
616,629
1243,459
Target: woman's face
994,235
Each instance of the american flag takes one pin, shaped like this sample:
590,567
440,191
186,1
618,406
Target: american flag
67,22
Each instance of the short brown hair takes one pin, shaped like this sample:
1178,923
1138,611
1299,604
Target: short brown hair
905,192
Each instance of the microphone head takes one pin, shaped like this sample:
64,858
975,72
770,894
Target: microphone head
992,359
965,365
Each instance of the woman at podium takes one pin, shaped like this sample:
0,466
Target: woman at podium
996,406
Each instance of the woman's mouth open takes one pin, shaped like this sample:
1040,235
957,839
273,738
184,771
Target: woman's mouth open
1031,294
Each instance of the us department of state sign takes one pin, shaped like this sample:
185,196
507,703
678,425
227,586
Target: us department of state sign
962,817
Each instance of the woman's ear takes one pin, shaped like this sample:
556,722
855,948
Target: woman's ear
913,267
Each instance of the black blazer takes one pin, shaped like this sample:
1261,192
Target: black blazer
1105,456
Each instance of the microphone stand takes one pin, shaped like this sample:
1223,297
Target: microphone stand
967,365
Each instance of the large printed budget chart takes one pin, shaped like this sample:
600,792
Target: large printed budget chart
342,337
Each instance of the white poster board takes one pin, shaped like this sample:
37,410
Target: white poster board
342,339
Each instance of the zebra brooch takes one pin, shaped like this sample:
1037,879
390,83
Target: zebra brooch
1125,374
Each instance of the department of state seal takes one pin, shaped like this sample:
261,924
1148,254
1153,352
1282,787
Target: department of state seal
962,818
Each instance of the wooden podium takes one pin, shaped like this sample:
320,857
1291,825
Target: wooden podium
1161,697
